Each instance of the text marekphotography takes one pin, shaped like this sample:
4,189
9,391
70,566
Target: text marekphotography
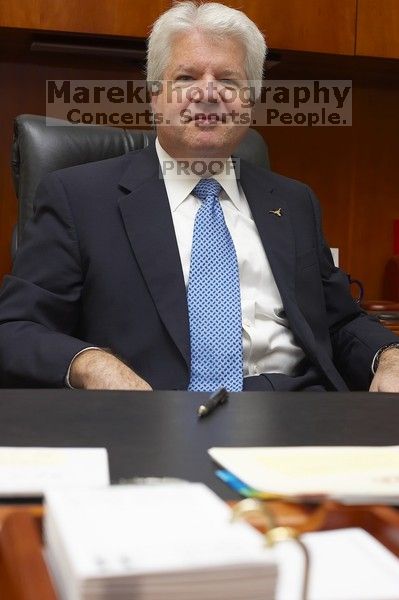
137,103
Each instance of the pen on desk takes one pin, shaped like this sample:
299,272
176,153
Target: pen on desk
216,399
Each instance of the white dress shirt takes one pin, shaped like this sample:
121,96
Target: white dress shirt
268,342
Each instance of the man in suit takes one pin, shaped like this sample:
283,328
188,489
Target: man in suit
135,276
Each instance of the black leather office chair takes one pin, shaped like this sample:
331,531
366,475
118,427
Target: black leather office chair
39,149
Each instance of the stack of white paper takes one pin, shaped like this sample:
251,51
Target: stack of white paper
161,542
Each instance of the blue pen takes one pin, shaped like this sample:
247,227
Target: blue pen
236,484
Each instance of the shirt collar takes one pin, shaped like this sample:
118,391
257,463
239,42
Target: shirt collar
180,187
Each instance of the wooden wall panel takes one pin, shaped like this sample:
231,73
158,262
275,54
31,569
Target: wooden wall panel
25,14
311,25
327,26
375,182
378,28
116,17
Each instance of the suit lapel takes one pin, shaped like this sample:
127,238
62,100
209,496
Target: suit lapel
278,239
275,231
149,227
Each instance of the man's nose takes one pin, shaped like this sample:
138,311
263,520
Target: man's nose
207,91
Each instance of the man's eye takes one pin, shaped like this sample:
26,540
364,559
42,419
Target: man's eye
184,78
229,83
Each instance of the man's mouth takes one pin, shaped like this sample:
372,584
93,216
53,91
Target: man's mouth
207,119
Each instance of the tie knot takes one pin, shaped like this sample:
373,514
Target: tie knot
206,188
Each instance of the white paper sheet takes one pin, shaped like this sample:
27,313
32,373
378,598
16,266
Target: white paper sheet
30,471
353,474
346,564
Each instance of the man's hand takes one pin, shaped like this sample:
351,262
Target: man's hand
386,378
99,370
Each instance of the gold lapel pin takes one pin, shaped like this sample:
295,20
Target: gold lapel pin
276,212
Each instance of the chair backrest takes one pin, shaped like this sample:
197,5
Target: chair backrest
39,149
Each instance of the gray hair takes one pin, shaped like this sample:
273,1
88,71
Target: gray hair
212,19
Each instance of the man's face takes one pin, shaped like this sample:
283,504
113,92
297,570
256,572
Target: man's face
200,99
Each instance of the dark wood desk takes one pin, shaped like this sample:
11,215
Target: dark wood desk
159,434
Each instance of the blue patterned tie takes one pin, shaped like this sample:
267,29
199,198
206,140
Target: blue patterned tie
213,296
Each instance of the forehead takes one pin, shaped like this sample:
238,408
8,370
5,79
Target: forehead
200,51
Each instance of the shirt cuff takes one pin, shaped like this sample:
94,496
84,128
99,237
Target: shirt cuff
67,382
373,365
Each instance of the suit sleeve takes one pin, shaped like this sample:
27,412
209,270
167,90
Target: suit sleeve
355,336
39,302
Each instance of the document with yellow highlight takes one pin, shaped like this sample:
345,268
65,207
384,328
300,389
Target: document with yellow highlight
349,474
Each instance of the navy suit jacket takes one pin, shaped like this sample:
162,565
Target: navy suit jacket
100,266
